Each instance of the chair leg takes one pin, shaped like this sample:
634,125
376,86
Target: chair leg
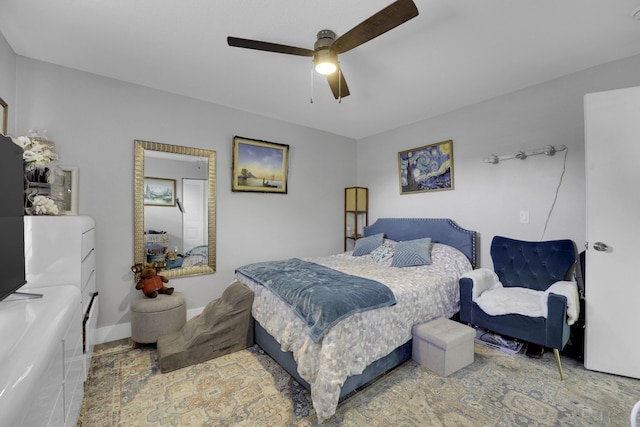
556,353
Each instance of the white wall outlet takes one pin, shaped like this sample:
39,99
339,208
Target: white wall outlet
524,217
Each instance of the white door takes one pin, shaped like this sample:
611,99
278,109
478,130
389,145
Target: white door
194,218
612,141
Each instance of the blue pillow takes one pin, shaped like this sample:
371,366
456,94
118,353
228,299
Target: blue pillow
367,244
412,252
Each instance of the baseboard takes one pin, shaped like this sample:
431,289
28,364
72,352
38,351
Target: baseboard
120,331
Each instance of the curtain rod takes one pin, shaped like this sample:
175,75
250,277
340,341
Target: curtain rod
548,150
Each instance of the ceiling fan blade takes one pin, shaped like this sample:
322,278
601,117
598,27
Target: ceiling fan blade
338,84
269,47
387,19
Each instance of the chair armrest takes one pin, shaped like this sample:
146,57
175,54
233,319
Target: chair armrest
482,279
563,304
472,284
570,291
466,285
557,330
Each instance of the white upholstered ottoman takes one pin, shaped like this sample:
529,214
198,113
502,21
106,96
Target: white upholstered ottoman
154,317
443,345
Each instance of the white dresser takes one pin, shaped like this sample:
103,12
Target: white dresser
47,342
61,250
41,373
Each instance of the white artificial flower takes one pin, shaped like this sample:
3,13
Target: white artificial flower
36,152
29,156
22,142
48,154
43,205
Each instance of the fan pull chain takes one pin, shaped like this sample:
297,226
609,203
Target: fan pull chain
311,98
339,85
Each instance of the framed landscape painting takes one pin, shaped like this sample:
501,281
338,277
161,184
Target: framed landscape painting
259,166
159,192
428,168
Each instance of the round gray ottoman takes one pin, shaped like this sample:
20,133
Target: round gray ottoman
154,317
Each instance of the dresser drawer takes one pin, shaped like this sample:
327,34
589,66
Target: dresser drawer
87,270
72,387
47,402
88,291
90,326
88,242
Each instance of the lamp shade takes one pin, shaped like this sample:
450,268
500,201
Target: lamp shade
325,61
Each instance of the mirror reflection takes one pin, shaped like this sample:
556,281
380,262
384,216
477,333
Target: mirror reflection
174,194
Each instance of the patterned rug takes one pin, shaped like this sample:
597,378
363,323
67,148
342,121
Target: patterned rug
247,388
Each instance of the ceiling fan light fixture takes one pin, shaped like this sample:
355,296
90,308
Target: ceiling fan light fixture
326,61
327,47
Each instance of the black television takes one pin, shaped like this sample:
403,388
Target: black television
11,217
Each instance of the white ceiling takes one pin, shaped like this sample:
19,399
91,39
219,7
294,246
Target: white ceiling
454,53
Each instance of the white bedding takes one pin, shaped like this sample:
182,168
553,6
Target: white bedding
422,293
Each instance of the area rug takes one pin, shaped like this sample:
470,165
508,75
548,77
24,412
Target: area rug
247,388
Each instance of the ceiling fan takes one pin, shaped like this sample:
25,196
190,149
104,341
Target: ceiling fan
327,47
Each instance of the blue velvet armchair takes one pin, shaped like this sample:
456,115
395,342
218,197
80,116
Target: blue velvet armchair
532,265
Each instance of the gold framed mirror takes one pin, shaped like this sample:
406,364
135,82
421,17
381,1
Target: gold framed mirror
156,231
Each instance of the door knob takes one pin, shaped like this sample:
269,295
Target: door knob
599,246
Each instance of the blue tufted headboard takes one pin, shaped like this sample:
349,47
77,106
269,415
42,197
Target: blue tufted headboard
534,265
441,230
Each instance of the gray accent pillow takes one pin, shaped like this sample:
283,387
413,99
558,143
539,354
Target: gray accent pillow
412,252
367,244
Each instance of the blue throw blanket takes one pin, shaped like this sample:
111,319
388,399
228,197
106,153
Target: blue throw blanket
319,295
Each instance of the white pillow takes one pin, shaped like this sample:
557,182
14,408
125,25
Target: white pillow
383,252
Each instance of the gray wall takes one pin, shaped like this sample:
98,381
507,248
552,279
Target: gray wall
488,198
8,80
94,121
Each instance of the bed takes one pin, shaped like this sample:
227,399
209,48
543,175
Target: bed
368,343
194,257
